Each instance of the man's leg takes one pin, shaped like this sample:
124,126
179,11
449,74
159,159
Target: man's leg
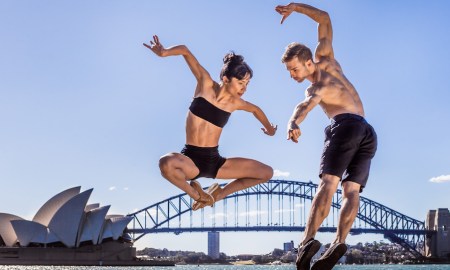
320,208
349,210
321,205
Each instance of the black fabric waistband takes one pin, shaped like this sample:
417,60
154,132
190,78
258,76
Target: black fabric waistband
200,148
343,116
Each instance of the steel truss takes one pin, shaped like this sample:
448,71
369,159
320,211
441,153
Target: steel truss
278,205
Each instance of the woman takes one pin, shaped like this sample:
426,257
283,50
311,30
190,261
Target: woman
210,109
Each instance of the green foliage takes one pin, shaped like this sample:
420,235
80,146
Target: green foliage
368,253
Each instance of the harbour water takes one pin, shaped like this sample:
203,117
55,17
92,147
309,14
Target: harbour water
231,267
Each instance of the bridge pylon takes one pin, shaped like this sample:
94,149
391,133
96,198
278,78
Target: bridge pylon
437,244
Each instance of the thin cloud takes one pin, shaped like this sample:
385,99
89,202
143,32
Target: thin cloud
278,173
440,179
284,210
112,188
218,215
253,213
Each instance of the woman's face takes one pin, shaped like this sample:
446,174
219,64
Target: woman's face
238,87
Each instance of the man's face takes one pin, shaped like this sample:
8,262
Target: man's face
297,69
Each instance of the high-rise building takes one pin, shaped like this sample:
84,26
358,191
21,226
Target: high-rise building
214,245
288,246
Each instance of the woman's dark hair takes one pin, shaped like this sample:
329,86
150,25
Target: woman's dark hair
234,66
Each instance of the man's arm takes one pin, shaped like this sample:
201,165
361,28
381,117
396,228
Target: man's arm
324,48
299,114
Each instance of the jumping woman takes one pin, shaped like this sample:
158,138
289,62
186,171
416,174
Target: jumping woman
212,104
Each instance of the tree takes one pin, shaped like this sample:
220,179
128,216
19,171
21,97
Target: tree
277,252
257,259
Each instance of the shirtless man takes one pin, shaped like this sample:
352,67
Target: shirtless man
350,142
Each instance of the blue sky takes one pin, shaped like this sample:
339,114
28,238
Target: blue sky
82,102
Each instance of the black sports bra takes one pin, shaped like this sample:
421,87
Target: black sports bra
207,111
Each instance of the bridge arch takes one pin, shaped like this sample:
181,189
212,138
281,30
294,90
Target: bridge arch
278,205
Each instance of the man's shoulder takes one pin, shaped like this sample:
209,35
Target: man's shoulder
315,88
328,64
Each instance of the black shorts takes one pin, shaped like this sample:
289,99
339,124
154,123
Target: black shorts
207,159
350,144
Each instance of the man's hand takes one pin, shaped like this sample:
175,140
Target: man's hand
156,46
285,11
271,131
293,132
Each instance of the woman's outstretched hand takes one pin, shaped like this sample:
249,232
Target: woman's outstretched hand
271,131
156,47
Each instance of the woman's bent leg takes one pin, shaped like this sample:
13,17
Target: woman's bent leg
246,172
177,169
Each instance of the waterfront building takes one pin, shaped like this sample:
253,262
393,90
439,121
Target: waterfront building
68,231
288,246
214,245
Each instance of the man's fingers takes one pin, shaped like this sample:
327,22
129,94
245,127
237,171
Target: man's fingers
293,139
293,135
282,19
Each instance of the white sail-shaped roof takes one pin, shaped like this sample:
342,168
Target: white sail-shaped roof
93,225
113,216
48,210
91,206
66,221
115,226
7,232
118,226
32,232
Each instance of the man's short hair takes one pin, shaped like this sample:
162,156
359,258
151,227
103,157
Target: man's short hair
294,49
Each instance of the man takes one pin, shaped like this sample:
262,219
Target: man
350,142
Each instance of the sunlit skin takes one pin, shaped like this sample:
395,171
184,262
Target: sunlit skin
226,95
300,71
335,94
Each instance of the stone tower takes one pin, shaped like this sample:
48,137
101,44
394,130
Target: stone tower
438,244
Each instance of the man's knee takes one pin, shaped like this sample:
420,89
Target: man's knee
329,183
351,189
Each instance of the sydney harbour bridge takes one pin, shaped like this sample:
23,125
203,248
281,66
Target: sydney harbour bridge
278,205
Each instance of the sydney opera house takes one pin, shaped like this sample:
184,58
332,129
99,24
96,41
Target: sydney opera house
67,231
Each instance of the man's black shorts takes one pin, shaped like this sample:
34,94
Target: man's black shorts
350,145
